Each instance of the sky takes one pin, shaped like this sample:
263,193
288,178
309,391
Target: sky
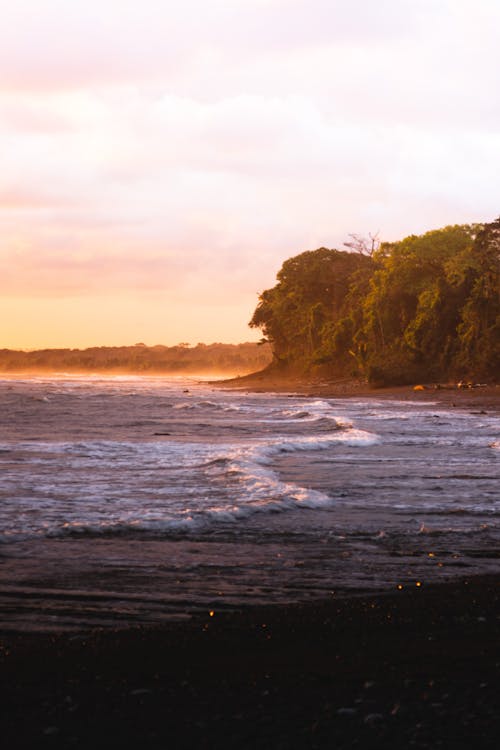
160,160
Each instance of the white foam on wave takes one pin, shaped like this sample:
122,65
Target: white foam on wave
183,486
241,478
317,413
351,437
261,496
296,413
259,487
205,405
116,527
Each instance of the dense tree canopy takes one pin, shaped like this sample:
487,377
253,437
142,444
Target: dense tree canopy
427,307
303,313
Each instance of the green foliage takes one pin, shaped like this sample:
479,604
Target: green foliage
480,327
413,308
311,295
425,308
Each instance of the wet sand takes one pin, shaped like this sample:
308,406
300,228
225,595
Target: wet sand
412,668
482,397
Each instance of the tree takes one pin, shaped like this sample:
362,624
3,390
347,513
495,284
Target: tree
480,328
299,314
425,308
413,308
363,245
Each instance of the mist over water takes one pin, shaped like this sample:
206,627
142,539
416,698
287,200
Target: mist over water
129,500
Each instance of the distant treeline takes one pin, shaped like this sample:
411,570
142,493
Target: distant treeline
203,358
426,308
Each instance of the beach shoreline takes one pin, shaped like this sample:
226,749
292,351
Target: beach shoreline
450,395
416,667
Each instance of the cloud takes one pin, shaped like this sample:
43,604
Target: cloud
50,44
186,150
18,198
38,272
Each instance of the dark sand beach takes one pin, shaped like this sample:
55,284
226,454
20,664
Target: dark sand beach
410,668
481,396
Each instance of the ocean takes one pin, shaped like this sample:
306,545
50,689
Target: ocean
135,500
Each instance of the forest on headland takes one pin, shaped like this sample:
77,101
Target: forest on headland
424,309
227,359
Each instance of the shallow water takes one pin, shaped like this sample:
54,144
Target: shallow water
129,500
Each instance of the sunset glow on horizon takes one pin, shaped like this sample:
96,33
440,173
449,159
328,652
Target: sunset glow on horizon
160,161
